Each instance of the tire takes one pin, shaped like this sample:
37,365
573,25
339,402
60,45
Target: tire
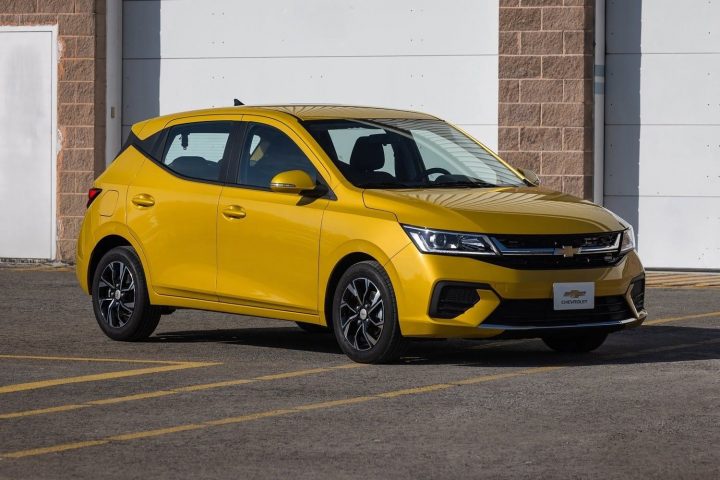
367,329
578,343
313,328
123,313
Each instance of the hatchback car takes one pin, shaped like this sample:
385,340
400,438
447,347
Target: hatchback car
377,224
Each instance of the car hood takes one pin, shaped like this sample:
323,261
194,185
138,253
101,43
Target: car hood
516,210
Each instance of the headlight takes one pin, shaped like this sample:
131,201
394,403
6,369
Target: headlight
628,240
450,243
628,236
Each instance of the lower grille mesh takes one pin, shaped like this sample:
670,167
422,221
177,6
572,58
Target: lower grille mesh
541,313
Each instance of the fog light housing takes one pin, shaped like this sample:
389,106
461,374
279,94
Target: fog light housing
637,293
451,299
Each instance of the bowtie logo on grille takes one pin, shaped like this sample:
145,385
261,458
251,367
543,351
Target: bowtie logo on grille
574,293
567,251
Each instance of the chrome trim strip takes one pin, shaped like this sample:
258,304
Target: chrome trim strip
617,323
614,248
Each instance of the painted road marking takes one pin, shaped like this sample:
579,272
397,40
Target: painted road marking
684,317
20,387
176,391
345,401
323,405
90,359
682,280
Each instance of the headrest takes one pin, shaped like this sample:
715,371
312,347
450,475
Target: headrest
196,167
368,154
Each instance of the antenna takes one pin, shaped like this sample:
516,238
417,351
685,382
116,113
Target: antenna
237,102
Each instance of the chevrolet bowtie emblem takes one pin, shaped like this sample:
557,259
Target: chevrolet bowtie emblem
566,251
574,293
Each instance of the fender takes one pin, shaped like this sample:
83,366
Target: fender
329,263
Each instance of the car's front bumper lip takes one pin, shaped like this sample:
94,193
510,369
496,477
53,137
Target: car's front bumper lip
626,323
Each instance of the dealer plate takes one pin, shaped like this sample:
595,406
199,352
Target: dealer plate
574,296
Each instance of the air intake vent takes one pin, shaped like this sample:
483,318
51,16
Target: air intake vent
637,293
451,299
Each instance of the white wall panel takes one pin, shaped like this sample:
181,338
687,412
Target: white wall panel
681,160
287,28
668,26
28,82
416,54
662,114
673,89
675,232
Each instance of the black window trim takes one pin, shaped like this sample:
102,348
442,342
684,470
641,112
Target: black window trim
234,167
154,150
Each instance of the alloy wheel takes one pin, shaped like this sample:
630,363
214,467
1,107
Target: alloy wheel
362,313
116,294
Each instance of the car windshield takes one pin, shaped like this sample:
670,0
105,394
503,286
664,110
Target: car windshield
405,153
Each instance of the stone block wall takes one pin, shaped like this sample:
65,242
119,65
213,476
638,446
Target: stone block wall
546,92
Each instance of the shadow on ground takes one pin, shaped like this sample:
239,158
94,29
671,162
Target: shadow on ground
657,344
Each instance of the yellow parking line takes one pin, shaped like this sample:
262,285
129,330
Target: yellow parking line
20,387
175,391
349,401
318,405
684,317
157,432
54,449
130,398
85,359
43,411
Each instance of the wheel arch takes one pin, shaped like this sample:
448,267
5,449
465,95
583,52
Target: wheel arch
109,241
340,267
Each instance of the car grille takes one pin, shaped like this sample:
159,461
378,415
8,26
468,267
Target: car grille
526,242
548,252
541,313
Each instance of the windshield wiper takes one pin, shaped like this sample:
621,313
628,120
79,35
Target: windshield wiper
385,185
463,184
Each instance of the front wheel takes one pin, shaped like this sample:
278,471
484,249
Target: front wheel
365,318
120,297
576,343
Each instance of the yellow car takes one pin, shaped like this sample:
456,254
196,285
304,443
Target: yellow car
377,224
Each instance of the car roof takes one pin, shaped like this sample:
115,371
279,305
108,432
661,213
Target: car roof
320,111
297,111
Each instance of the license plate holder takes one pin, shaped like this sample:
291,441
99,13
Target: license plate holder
574,296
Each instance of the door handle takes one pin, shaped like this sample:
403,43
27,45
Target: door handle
143,200
234,212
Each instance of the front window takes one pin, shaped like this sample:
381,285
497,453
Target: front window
399,153
268,151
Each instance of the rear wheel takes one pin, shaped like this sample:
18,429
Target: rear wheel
313,328
365,319
576,343
120,297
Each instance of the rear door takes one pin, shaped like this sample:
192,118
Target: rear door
172,206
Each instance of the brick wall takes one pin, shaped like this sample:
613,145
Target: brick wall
546,97
81,111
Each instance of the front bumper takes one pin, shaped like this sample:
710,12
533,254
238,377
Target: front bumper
511,302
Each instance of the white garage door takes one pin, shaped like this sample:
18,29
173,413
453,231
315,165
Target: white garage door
439,57
662,134
27,149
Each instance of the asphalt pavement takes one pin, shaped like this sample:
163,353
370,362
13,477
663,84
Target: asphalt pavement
221,396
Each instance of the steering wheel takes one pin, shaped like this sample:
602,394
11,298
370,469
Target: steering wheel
434,170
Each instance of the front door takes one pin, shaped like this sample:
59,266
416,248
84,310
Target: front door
267,241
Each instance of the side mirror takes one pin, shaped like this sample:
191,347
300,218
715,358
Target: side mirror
530,176
292,181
